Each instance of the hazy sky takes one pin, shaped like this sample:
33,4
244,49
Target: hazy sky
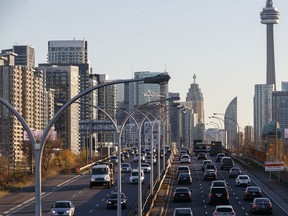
221,41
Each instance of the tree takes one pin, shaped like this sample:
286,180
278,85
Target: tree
51,149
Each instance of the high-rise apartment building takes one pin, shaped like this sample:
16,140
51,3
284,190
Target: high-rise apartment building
248,135
270,16
67,51
22,87
25,55
75,52
262,110
65,82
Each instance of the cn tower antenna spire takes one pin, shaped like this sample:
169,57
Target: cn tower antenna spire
270,16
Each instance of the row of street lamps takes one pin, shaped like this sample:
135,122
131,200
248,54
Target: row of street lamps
161,79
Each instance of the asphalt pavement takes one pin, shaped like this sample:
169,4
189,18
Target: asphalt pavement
269,184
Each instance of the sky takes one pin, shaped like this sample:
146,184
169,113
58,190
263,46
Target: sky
221,41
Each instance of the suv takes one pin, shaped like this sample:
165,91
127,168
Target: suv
218,195
205,162
226,163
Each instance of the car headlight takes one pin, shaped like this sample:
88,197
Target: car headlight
92,179
107,177
53,211
68,211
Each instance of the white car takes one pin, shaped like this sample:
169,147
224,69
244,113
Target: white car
126,167
185,158
243,180
224,210
133,179
146,167
63,207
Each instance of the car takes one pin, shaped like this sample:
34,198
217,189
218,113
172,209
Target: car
210,174
146,167
126,167
234,172
219,156
136,157
184,178
113,159
133,179
219,183
182,194
63,207
126,154
149,157
202,156
182,152
205,162
182,169
252,192
185,158
226,163
261,205
183,212
243,180
224,210
218,195
210,166
112,199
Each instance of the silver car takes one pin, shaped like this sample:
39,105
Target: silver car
63,207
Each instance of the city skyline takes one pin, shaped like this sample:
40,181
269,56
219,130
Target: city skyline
223,44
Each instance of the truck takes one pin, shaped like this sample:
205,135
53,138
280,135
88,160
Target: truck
199,146
216,147
102,174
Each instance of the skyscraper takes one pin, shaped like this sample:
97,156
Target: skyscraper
270,16
262,110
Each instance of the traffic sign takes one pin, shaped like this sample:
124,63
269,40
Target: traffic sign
271,166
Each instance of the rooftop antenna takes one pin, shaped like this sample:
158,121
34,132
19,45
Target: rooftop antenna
194,78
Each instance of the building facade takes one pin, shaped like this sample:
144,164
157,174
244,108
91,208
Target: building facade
65,82
262,110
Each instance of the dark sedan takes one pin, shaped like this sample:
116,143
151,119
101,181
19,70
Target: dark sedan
210,174
234,172
112,200
263,205
182,194
184,178
252,192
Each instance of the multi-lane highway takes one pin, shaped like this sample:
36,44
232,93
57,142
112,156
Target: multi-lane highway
93,201
89,202
200,190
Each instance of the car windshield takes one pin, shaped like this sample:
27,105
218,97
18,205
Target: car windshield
62,205
184,175
113,157
134,173
264,201
218,183
224,209
243,177
181,190
99,171
125,165
253,189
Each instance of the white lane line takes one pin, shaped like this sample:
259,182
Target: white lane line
91,211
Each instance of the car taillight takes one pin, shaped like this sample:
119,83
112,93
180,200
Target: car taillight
210,195
254,205
216,213
246,192
270,205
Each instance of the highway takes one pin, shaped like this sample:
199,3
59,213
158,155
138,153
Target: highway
93,201
200,189
89,202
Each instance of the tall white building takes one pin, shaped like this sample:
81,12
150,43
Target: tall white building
67,51
262,110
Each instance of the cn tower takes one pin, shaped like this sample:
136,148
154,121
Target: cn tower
270,16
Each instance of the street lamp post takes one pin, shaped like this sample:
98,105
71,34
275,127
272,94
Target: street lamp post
238,128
